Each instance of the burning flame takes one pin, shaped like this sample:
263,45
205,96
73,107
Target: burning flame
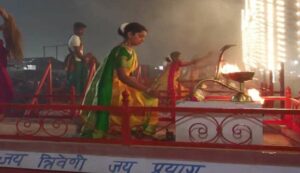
229,68
255,95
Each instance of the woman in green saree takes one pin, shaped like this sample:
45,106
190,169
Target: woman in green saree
111,80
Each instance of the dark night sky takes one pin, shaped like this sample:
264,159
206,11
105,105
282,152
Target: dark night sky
191,26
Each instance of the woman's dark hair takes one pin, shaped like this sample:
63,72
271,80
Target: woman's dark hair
175,54
133,27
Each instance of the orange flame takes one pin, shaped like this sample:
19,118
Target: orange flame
255,95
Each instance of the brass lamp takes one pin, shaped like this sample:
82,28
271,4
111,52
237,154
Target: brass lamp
240,77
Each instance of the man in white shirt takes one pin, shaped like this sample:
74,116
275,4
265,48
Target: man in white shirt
76,68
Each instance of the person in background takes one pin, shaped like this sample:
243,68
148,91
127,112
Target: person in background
168,80
9,48
74,63
111,80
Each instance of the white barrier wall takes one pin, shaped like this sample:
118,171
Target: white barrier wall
219,127
107,164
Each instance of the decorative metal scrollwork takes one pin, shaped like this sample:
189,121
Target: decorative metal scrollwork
44,123
232,129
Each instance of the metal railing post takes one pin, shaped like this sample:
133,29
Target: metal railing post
126,119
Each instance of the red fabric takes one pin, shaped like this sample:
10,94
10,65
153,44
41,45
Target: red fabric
174,67
6,86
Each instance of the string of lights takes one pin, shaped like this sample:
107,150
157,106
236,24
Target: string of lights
270,31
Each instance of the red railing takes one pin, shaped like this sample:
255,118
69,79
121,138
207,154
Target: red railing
126,138
289,103
47,77
47,80
44,117
78,98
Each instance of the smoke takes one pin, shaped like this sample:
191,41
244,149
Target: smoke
193,27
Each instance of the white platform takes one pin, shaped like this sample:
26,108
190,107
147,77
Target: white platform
219,127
